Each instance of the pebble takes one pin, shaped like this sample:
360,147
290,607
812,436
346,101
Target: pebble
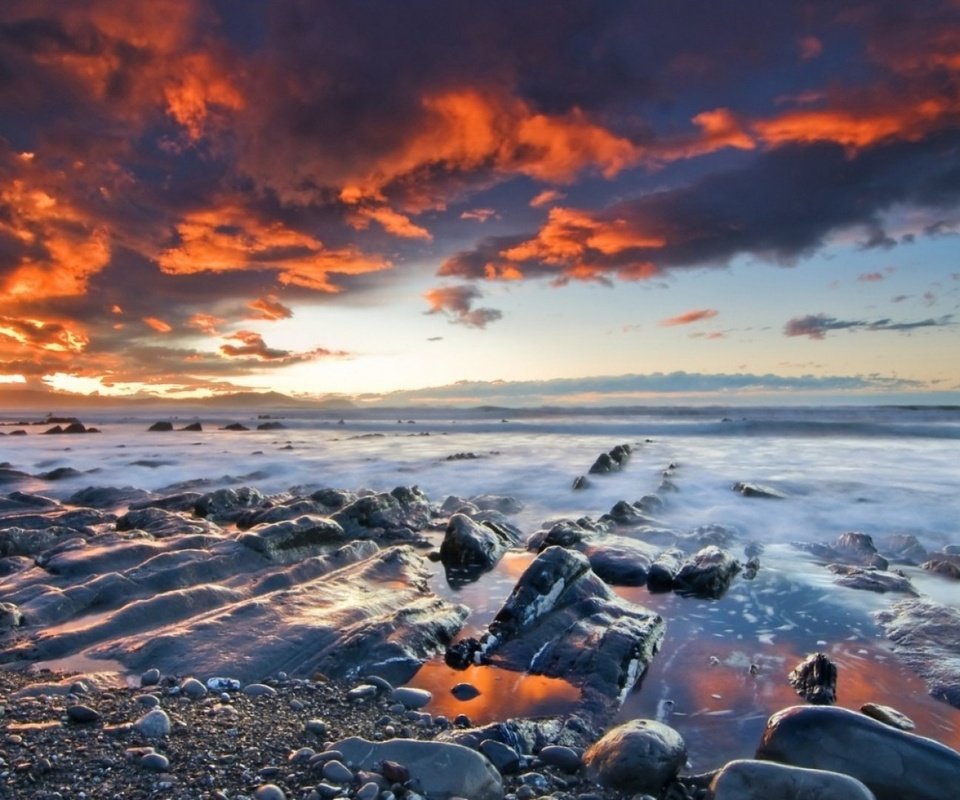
153,724
157,762
564,758
465,691
362,692
223,685
382,684
82,714
269,791
369,791
191,687
150,678
315,726
302,756
337,772
259,690
410,697
148,700
327,790
503,757
394,772
462,721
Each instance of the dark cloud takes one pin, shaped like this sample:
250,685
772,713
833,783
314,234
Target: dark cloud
456,302
817,326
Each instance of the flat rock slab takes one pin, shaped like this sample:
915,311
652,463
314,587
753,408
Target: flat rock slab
438,770
745,779
893,764
926,635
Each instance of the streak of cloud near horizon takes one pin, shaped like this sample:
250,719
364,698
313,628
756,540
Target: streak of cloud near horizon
200,196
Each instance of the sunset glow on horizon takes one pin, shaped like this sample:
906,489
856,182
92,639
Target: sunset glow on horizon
653,204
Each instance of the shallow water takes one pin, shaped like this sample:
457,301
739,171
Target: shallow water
879,471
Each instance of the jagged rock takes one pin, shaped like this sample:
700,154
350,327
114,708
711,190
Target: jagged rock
104,497
856,549
437,770
624,513
580,483
815,680
707,573
603,465
872,580
495,502
402,510
193,427
561,620
745,779
756,490
641,756
225,505
905,548
893,764
160,427
32,542
472,548
293,540
280,513
162,523
10,616
271,426
333,499
943,564
926,635
663,571
888,716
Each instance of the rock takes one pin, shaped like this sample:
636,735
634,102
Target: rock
563,758
410,697
872,580
294,540
626,514
926,635
156,762
708,573
10,616
362,692
271,426
503,757
496,502
235,426
888,716
369,791
619,560
193,427
150,678
763,780
906,548
162,523
756,490
223,685
471,548
943,564
225,505
192,688
269,791
604,465
856,549
465,691
337,772
437,770
639,756
108,497
154,724
82,714
580,483
393,514
259,690
893,764
60,474
663,571
815,680
562,621
160,426
281,513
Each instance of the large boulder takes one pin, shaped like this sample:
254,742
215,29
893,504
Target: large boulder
438,770
561,620
391,514
745,779
707,573
471,547
893,764
871,580
226,505
295,539
641,756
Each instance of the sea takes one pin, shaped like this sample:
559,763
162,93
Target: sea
722,669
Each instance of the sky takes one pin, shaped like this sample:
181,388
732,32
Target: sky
600,202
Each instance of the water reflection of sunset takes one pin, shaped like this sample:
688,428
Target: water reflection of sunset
503,694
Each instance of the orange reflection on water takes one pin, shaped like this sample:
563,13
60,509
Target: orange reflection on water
503,694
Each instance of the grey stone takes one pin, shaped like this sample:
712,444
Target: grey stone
888,716
872,580
362,692
295,539
411,697
369,791
269,791
893,764
564,758
193,688
259,690
225,505
639,756
82,714
154,724
437,770
707,573
157,762
502,756
474,547
763,780
150,678
336,772
757,490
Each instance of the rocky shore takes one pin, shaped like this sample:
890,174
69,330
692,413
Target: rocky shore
273,635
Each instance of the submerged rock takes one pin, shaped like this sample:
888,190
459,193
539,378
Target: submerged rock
893,764
745,779
757,490
946,564
639,756
437,770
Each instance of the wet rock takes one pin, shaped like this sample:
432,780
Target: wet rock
162,523
465,691
150,677
155,762
639,756
10,616
604,465
269,791
618,560
526,736
60,474
763,780
626,514
333,499
473,547
562,621
926,635
8,475
193,688
337,772
225,505
281,513
815,680
154,724
20,502
181,501
160,427
82,714
193,427
888,716
757,490
943,564
410,697
856,549
707,573
663,570
561,757
32,542
893,764
465,772
580,483
905,548
235,426
871,580
296,539
502,756
397,512
271,426
108,497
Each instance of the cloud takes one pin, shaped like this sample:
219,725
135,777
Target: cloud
817,326
478,214
269,308
251,345
206,323
391,221
158,324
870,277
456,303
689,317
546,198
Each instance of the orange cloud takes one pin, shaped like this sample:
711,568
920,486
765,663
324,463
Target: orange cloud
158,324
392,222
810,48
479,214
689,317
251,345
197,89
46,335
205,323
269,308
546,197
229,238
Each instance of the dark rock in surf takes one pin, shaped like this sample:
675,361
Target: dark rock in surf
604,465
663,571
160,427
943,564
193,427
392,515
333,499
56,429
472,547
294,540
60,474
872,580
905,548
756,490
852,548
893,764
626,514
271,426
109,497
20,502
496,502
161,523
815,680
235,426
79,427
280,513
226,505
8,475
707,573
